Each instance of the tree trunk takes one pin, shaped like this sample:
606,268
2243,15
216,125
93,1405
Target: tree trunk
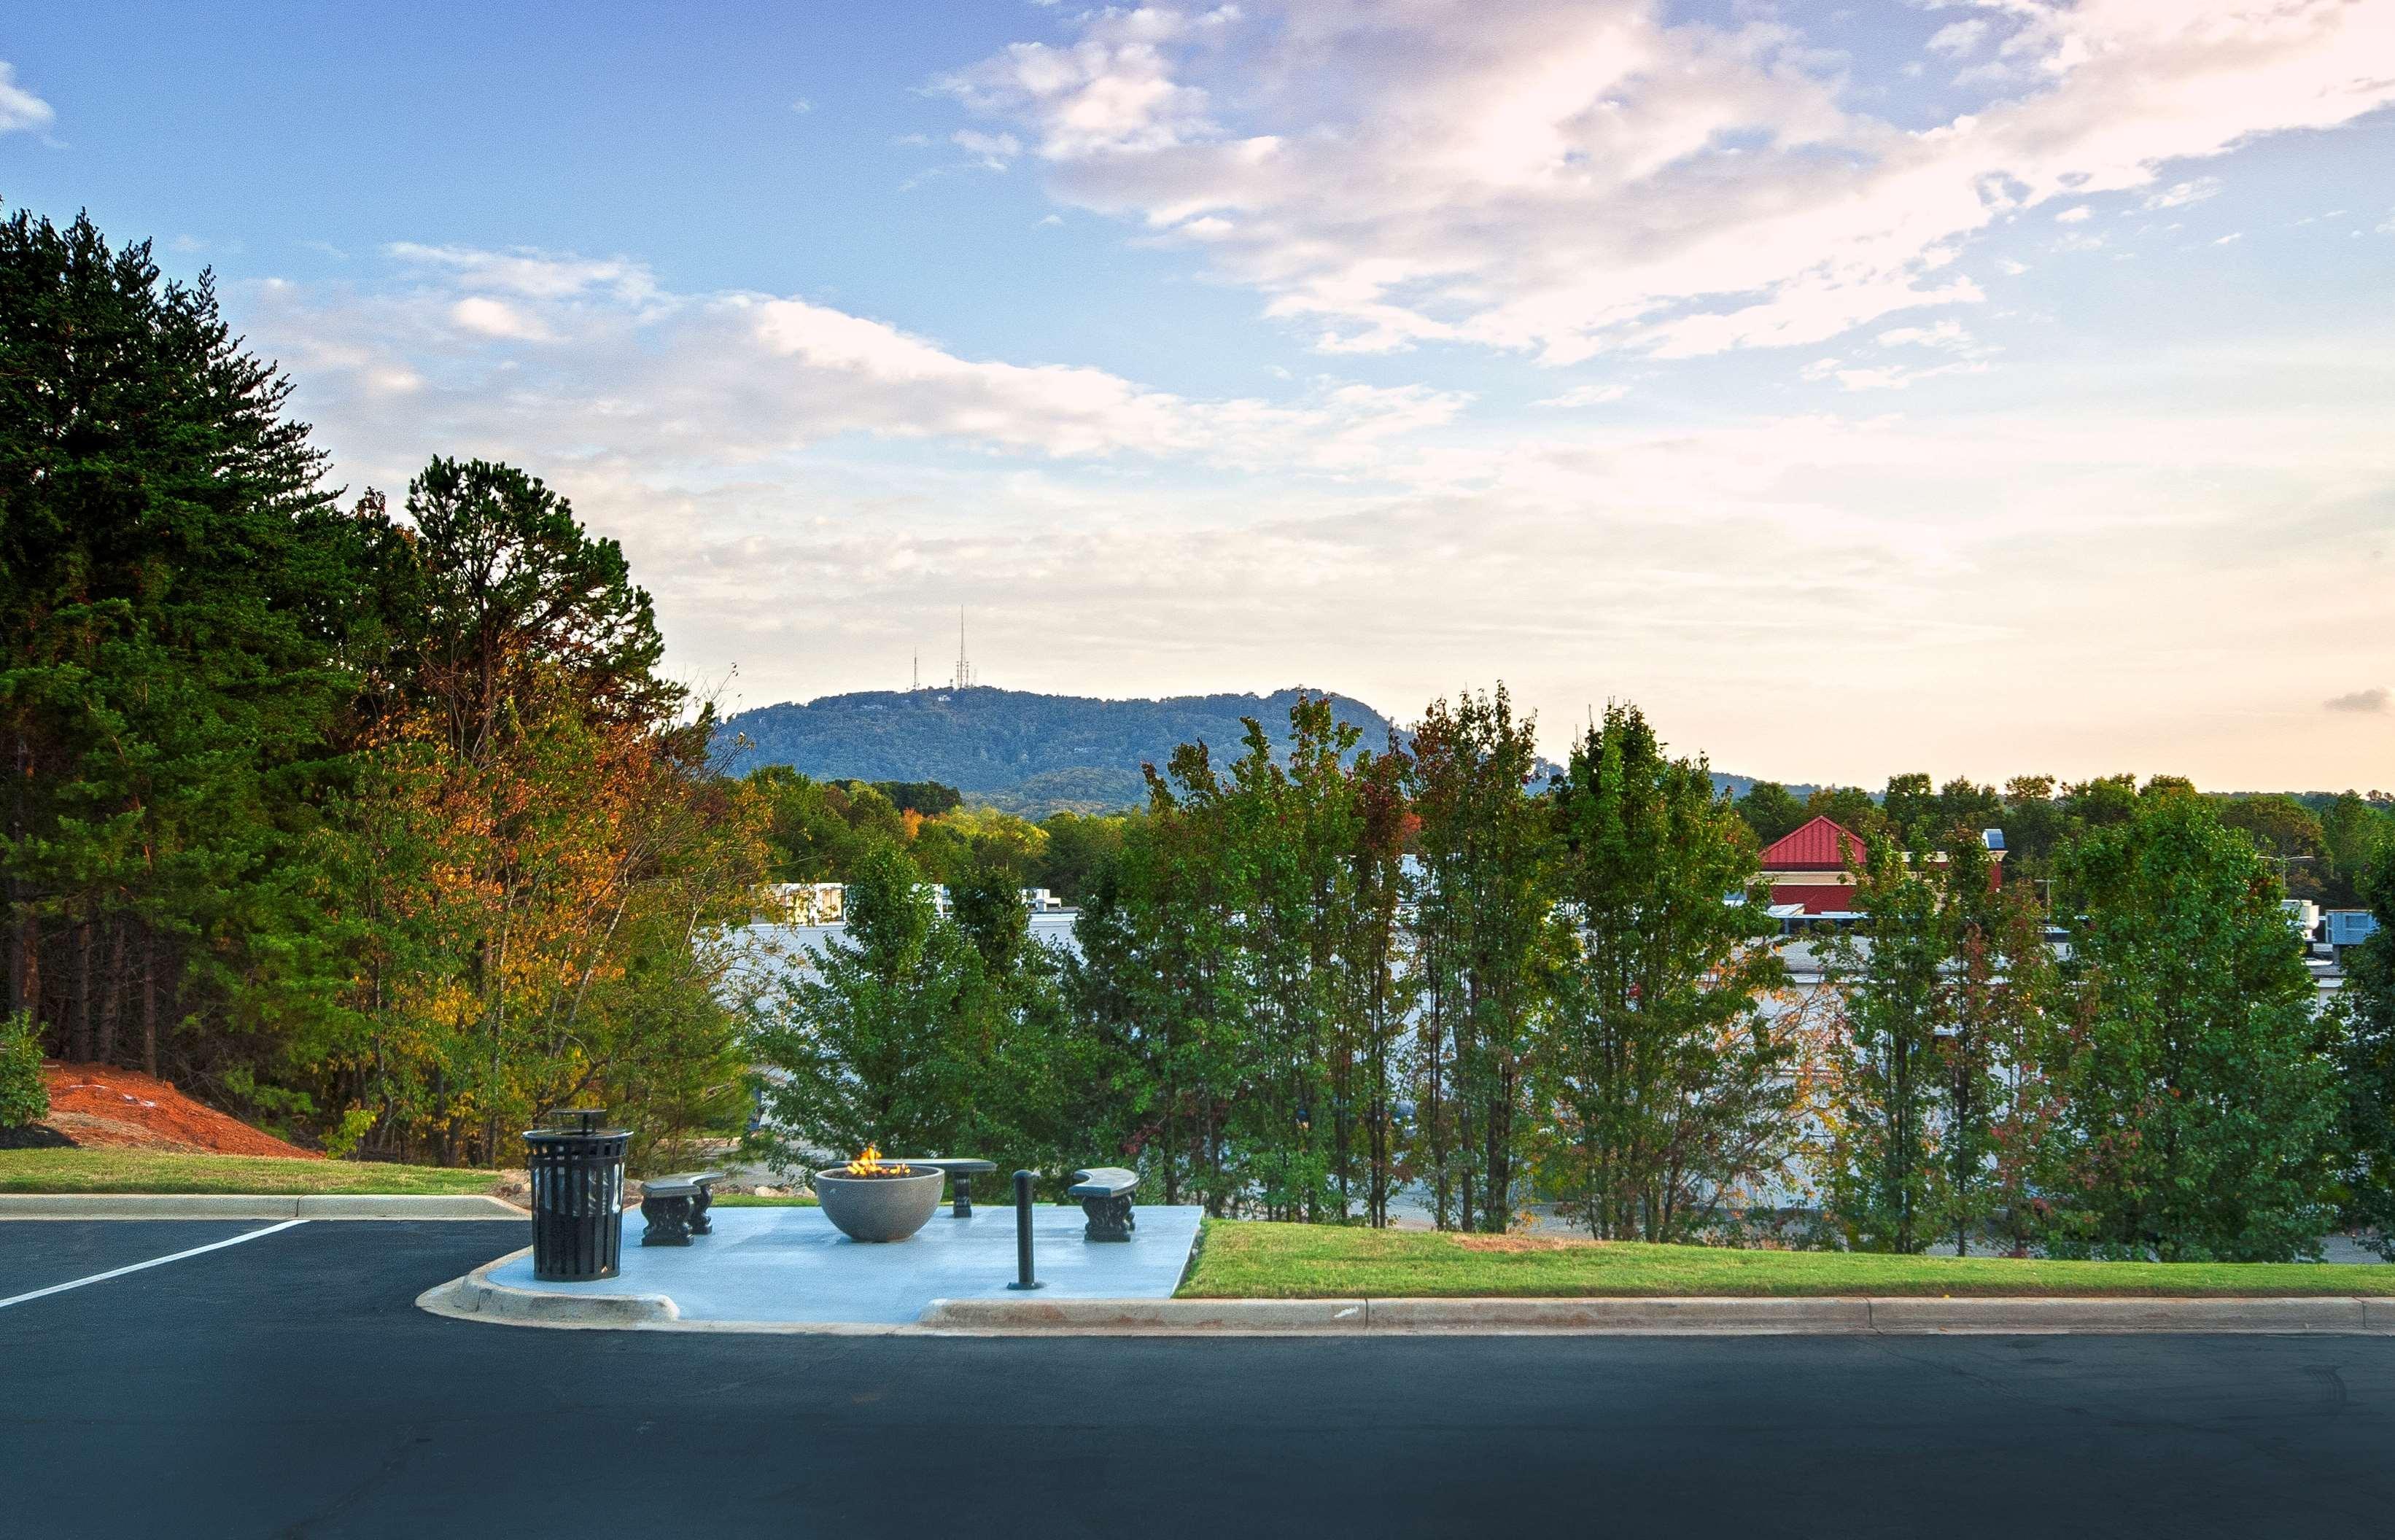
83,992
149,1002
112,1001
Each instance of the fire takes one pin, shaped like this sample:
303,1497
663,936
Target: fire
870,1163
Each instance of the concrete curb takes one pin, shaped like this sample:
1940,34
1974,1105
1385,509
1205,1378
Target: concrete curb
474,1297
477,1297
1732,1316
1146,1317
236,1205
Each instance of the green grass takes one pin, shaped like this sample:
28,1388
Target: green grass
155,1171
1250,1260
750,1200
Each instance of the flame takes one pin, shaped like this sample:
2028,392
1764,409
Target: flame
870,1163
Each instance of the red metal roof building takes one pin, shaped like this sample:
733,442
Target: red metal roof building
1814,866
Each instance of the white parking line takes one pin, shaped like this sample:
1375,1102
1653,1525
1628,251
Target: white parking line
153,1262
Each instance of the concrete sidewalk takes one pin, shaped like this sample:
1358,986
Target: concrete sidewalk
789,1267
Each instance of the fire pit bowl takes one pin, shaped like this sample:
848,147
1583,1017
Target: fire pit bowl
878,1208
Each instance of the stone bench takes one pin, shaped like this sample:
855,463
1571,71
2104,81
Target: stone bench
1104,1193
676,1207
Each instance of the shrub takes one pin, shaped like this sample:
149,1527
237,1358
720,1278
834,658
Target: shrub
24,1095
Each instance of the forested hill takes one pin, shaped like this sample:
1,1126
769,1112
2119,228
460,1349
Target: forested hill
1026,753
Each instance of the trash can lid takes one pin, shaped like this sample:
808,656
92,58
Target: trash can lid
572,1135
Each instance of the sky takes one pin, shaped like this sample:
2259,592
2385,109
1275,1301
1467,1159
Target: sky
1975,388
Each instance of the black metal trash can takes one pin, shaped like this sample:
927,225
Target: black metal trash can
577,1197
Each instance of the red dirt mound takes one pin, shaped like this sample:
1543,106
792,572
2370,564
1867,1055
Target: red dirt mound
100,1104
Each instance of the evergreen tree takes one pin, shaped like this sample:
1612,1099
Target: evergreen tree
183,622
882,1041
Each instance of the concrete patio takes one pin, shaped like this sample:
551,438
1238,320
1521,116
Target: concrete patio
789,1265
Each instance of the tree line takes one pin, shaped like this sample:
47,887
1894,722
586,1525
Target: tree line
380,826
1308,983
2322,844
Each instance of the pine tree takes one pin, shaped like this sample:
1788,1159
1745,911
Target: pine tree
183,622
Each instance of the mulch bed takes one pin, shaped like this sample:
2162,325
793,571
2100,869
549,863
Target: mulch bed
102,1105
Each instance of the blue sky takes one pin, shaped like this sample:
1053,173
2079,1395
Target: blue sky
1979,388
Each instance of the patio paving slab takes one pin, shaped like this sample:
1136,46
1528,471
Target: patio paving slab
791,1265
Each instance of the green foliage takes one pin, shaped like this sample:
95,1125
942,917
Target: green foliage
184,622
25,1092
1849,807
2366,1064
924,1034
877,1044
2288,835
1771,811
1882,1175
2199,1105
389,833
1481,906
1670,1091
927,798
1079,848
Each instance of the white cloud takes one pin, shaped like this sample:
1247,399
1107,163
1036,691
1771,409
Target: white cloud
495,318
2377,700
2077,214
993,151
1947,334
21,109
1957,39
1885,377
1588,395
740,376
802,105
1569,181
2179,194
2232,235
531,273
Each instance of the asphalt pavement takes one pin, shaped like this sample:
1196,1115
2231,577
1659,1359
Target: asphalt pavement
288,1387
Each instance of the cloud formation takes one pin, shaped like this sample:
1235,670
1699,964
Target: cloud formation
2377,700
21,109
1569,179
743,376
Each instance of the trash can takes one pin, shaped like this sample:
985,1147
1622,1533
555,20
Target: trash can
577,1197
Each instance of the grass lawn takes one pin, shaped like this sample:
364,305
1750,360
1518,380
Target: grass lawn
1252,1259
750,1200
155,1171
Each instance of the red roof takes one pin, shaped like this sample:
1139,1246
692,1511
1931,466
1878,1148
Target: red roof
1821,845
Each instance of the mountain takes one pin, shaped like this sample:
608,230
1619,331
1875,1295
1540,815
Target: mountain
1026,753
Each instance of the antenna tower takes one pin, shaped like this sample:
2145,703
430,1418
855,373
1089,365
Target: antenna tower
964,665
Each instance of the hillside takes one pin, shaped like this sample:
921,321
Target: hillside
1026,753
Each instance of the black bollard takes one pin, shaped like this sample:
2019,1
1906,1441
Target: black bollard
1023,1278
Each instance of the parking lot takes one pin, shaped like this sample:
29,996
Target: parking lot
287,1385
